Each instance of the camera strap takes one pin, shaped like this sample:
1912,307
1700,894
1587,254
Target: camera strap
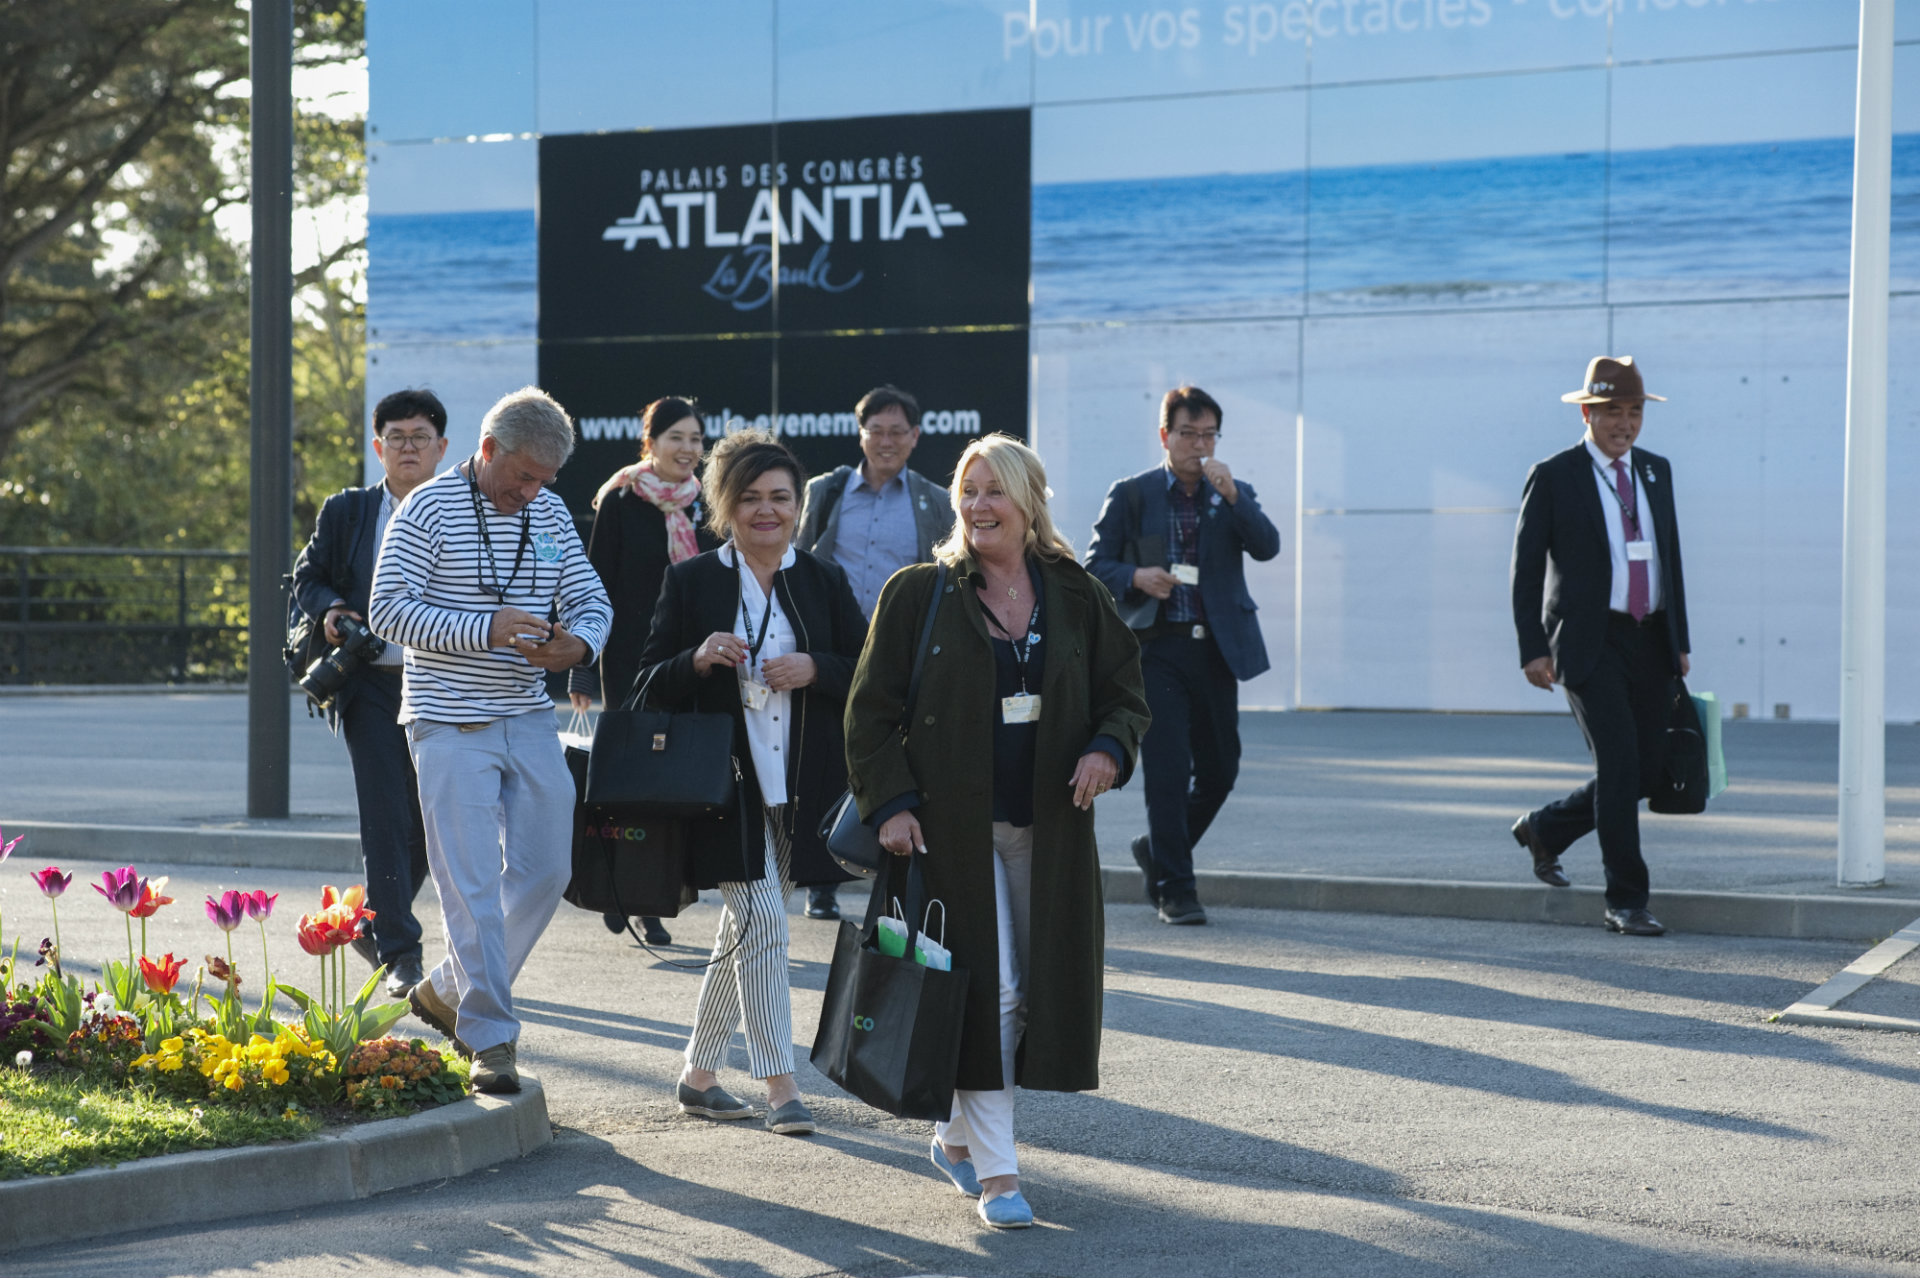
495,587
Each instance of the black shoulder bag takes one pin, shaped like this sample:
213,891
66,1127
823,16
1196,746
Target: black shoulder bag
851,841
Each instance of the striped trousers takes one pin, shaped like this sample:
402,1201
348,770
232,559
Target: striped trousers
753,977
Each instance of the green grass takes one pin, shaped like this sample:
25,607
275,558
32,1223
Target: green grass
51,1125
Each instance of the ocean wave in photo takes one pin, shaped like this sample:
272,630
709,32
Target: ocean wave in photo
450,277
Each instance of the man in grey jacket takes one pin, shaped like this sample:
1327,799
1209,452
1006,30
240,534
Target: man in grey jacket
873,520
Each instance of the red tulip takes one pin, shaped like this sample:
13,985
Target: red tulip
162,976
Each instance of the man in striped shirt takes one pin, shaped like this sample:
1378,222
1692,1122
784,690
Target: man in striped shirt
474,564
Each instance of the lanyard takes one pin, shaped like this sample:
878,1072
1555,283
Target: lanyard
1631,512
1022,651
766,617
486,539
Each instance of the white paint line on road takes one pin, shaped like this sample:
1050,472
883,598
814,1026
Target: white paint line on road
1817,1007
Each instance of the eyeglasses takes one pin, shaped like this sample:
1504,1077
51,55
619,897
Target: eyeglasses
409,443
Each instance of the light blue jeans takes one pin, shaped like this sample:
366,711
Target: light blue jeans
498,806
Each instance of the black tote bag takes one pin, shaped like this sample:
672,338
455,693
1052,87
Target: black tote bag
890,1028
623,864
1680,783
662,765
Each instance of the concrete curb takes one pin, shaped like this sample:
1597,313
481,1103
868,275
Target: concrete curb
219,1184
1831,918
237,844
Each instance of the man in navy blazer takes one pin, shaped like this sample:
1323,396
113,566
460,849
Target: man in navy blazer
333,578
1171,546
1600,606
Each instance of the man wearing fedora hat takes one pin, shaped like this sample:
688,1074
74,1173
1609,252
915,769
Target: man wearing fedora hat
1600,604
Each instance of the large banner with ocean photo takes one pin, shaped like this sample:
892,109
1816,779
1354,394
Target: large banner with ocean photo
1386,234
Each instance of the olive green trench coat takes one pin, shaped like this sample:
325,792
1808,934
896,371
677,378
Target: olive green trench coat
1091,687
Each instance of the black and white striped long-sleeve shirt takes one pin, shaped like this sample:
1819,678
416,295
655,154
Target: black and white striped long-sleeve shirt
433,593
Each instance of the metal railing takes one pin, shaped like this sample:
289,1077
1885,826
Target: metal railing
106,614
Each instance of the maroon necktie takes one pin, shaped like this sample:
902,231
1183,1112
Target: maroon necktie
1630,523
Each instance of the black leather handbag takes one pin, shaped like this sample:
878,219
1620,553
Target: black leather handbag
852,843
1679,786
654,763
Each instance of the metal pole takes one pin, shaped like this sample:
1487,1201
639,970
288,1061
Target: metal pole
271,522
1863,590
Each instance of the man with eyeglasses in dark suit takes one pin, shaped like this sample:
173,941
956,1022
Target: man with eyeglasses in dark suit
1172,544
333,579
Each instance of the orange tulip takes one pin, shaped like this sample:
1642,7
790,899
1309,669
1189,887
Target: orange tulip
162,976
150,899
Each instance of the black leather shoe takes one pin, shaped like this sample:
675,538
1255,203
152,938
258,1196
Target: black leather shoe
363,946
1635,923
404,975
1183,911
615,923
655,934
1546,865
1143,857
823,903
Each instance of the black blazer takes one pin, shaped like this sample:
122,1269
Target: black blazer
337,563
628,548
701,597
1563,571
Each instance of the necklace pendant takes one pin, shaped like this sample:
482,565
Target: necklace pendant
1012,593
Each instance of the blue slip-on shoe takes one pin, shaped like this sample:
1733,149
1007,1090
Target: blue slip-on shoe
960,1173
791,1119
1008,1211
714,1102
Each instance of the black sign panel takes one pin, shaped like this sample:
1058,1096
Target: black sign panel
967,383
885,222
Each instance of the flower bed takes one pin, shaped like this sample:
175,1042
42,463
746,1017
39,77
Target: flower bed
128,1067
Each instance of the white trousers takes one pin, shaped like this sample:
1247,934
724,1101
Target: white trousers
498,807
754,976
983,1121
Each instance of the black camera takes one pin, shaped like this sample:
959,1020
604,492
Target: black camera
325,677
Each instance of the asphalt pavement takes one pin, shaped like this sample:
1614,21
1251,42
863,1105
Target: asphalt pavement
1281,1093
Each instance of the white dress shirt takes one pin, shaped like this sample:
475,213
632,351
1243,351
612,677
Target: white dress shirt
767,734
1603,477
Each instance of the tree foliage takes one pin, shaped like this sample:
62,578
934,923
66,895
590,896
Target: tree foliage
123,306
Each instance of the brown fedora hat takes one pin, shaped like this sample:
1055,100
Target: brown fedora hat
1610,377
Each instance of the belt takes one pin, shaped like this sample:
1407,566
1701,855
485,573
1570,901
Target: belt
1626,619
1166,629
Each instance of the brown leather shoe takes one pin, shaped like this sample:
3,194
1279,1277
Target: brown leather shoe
1546,865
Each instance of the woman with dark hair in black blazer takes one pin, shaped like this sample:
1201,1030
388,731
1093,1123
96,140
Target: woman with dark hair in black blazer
647,517
769,635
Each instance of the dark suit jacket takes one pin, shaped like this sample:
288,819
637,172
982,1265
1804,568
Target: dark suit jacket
337,564
1563,571
628,548
702,597
1227,533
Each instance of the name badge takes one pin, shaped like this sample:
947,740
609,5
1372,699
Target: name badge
1186,574
1639,551
754,694
1023,709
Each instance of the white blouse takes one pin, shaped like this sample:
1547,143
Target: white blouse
767,727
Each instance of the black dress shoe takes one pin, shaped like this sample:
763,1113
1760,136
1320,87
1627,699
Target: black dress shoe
1143,857
1546,865
1183,910
655,934
404,975
823,903
615,923
363,946
1635,923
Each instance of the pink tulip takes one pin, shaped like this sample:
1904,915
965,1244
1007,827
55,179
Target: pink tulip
8,845
121,887
50,881
259,904
229,912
